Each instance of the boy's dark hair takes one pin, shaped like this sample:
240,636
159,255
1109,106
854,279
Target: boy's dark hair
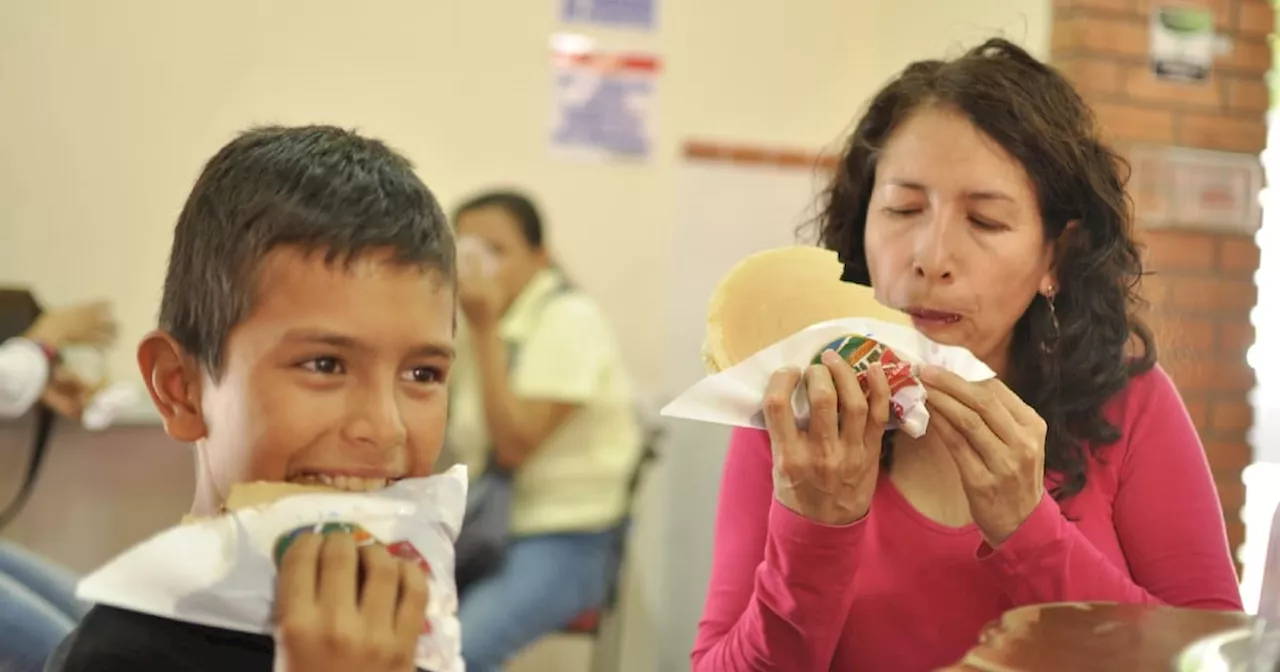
519,206
320,188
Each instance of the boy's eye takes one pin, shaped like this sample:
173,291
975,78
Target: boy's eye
424,374
327,365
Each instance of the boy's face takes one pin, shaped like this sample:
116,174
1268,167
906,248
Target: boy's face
336,376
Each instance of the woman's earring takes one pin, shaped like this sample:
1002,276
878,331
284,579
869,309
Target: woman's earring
1051,337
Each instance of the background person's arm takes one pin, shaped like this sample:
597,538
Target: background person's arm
1166,514
24,373
781,584
560,369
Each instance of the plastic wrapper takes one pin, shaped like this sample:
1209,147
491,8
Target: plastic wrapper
734,396
221,571
906,393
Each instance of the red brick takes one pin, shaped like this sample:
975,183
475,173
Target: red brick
1173,250
1136,124
1232,416
1199,412
1091,75
1142,84
1254,18
1222,13
1230,494
1109,5
1249,55
1228,456
1235,336
1224,377
1174,292
1079,32
1248,94
1228,134
1238,255
1182,332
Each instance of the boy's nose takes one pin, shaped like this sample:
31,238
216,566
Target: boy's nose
376,421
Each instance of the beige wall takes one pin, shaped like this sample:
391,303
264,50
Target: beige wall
109,109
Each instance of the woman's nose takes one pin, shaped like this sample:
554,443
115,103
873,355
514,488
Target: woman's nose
935,247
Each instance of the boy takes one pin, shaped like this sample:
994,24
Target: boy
306,332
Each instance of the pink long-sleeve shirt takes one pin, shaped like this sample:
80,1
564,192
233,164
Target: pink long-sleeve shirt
898,591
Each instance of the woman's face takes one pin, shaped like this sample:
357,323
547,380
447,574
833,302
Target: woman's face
954,236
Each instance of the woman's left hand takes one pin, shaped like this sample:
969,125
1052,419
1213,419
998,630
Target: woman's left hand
997,442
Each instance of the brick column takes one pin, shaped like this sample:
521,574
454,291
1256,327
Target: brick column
1202,289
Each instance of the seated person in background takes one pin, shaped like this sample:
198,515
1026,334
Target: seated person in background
541,390
306,328
29,370
37,597
977,196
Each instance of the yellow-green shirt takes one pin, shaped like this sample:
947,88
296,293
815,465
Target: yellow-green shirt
577,479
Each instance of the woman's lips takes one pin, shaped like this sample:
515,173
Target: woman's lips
923,317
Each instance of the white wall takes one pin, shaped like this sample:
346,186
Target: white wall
109,110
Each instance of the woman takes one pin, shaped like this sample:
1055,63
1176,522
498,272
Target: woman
539,390
977,196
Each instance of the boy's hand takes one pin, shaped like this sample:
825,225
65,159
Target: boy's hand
341,608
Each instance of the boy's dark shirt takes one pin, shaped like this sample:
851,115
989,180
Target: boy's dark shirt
111,640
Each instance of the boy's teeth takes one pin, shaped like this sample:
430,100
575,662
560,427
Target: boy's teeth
347,483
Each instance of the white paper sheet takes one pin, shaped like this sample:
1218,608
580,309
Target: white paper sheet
734,396
220,572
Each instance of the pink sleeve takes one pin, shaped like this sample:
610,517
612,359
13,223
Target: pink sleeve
781,585
1166,514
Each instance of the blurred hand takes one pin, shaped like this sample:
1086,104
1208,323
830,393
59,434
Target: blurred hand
66,394
341,607
828,472
479,294
88,324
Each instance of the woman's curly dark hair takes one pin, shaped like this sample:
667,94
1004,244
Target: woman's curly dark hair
1067,373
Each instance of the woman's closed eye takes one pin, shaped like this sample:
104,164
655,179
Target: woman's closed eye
902,211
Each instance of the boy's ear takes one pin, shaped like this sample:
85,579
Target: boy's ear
173,379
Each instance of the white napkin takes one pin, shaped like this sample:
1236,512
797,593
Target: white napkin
734,396
221,572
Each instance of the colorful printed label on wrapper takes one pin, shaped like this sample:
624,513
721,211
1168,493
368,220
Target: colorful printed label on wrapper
906,393
227,574
403,549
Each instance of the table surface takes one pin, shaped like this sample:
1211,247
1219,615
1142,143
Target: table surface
1093,636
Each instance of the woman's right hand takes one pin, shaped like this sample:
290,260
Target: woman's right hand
827,472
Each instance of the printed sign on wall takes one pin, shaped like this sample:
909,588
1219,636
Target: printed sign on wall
636,14
602,102
1183,43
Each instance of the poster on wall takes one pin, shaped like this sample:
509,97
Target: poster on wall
1183,43
632,14
602,101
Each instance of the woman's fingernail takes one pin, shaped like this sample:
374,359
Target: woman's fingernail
929,371
831,357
